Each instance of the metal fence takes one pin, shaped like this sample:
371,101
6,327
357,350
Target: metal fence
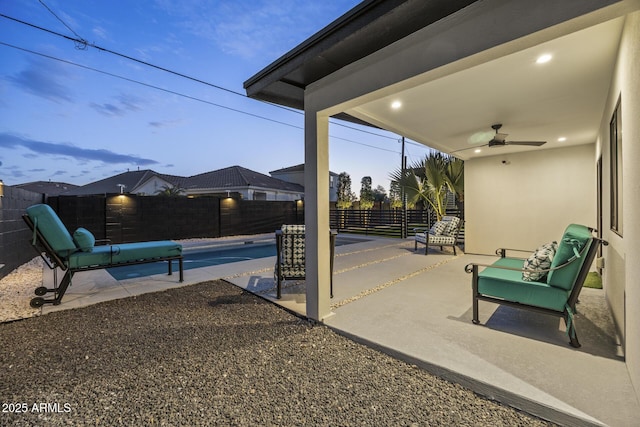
389,223
132,218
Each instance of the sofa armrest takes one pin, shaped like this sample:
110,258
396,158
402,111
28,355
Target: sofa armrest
470,267
502,252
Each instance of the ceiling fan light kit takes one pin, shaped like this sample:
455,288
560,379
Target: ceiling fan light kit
500,139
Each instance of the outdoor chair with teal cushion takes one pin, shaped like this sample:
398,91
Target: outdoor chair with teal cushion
442,233
290,255
79,252
549,281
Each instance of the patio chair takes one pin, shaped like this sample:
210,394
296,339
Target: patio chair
290,255
548,282
442,233
73,254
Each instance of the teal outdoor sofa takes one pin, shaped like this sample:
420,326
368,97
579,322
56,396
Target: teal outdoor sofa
550,286
78,252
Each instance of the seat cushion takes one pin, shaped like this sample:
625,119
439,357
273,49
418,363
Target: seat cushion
452,225
104,256
293,247
508,285
540,260
575,239
442,240
438,228
55,233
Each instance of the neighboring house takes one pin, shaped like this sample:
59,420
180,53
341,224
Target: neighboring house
442,72
248,184
50,188
234,181
142,182
295,174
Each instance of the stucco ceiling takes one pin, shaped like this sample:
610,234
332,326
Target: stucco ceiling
564,97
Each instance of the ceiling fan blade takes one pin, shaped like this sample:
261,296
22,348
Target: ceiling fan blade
530,143
469,148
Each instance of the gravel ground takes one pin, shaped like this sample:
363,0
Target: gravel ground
213,354
16,290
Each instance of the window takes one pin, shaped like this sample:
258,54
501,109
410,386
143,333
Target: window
615,154
259,195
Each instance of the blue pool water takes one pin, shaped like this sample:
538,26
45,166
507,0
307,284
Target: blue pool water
197,260
214,256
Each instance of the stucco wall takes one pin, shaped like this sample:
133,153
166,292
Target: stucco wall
526,199
622,256
151,187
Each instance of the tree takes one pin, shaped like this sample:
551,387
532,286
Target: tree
430,179
366,194
395,195
379,194
345,195
455,181
170,191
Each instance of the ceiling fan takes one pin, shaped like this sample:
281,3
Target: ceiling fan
499,139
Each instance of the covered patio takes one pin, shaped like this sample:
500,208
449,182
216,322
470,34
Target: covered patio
443,73
418,309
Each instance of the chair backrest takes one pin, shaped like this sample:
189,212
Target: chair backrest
575,242
52,229
292,250
453,226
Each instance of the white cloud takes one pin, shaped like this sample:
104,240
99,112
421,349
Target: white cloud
258,28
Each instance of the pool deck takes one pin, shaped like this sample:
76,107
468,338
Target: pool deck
418,308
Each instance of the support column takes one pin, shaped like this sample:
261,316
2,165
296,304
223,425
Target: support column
316,214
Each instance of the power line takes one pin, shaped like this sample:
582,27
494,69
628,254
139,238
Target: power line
83,42
122,55
193,98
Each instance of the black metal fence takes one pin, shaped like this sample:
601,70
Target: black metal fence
384,222
132,218
389,223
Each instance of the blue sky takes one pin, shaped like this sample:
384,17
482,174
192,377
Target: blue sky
79,115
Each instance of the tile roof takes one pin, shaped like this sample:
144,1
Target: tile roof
231,177
296,168
237,176
50,188
110,185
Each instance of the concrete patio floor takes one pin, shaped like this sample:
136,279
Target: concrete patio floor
418,308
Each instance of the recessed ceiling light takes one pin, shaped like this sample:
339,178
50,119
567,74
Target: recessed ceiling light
396,104
562,139
477,150
542,59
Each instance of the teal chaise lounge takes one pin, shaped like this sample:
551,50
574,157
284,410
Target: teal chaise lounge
76,253
549,281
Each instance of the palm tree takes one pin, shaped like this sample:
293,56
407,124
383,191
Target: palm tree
169,191
428,181
455,181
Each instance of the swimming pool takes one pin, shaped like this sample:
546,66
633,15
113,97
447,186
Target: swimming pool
209,257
